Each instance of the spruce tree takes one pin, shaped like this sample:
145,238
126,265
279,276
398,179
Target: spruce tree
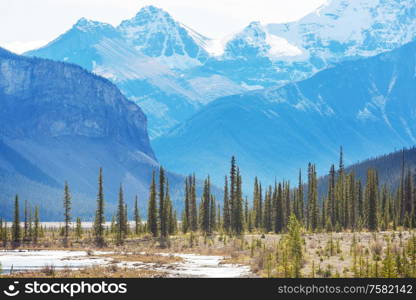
331,196
152,225
163,218
279,210
226,208
205,207
238,205
137,219
186,212
30,229
295,245
67,213
26,224
36,225
78,229
193,205
168,212
257,204
16,230
268,210
312,198
233,193
300,198
371,194
213,213
99,215
120,218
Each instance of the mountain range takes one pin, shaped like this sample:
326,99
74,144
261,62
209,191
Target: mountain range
171,71
365,105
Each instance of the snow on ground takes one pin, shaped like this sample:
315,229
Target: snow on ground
193,265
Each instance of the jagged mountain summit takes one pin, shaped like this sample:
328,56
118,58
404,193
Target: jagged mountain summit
366,105
61,123
156,34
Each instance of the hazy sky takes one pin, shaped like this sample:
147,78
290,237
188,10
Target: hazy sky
28,24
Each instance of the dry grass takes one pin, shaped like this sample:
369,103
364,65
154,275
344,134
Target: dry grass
143,258
111,271
252,250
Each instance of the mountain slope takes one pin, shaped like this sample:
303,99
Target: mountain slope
61,123
388,166
366,105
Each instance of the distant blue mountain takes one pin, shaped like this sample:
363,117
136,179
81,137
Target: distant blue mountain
367,105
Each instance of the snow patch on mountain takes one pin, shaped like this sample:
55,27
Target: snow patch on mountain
352,28
255,40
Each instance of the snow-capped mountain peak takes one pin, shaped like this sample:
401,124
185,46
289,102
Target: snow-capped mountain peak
87,25
156,34
255,40
343,28
149,14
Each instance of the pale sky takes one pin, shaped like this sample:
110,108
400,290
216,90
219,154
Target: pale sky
28,24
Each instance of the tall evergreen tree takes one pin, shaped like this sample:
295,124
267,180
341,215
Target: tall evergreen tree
268,210
238,205
26,223
99,215
312,198
205,207
120,218
67,213
137,218
258,205
233,193
16,230
300,198
36,225
331,196
163,218
152,225
226,208
186,213
213,213
371,195
193,206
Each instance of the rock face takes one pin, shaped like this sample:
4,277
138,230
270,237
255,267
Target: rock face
365,105
61,123
41,98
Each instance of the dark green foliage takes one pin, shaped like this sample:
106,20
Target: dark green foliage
121,222
137,218
99,214
16,229
226,208
152,225
67,213
372,199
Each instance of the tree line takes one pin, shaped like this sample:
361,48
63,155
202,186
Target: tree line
348,204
